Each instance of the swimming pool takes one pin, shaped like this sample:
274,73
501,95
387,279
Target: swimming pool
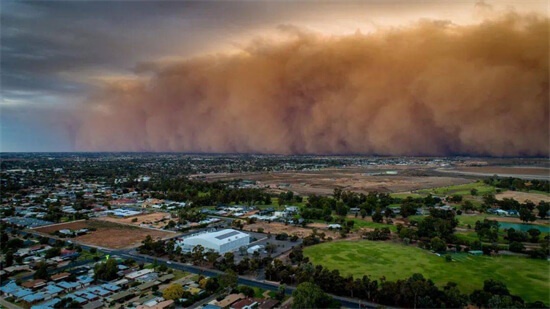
524,227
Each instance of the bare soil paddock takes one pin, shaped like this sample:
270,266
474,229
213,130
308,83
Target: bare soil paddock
108,234
324,181
278,228
152,219
523,196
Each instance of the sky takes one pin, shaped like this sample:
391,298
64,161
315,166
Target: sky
329,77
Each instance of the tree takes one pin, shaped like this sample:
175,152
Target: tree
198,254
42,271
468,206
534,233
377,216
438,245
280,292
517,247
487,229
270,248
500,301
543,208
229,279
455,198
389,213
310,295
212,285
341,209
52,252
15,243
9,258
174,291
106,270
246,290
526,215
408,209
378,234
337,193
453,297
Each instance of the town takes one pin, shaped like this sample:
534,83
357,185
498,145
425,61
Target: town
164,231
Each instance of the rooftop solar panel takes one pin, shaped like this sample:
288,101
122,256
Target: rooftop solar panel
224,236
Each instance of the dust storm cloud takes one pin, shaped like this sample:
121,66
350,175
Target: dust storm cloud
432,88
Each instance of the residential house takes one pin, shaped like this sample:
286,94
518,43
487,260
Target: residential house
268,304
68,286
229,300
34,284
60,276
52,290
33,298
161,305
247,303
93,305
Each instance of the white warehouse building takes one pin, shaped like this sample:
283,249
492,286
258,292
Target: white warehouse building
220,241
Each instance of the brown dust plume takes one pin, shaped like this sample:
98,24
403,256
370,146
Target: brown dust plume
432,88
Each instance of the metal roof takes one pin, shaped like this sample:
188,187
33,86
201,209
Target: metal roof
224,236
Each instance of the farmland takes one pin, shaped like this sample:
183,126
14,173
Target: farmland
107,234
364,180
528,278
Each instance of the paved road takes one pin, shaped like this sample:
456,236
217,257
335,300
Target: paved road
267,285
59,269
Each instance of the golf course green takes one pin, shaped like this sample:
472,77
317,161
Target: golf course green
529,278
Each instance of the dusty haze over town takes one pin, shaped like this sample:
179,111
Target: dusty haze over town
430,78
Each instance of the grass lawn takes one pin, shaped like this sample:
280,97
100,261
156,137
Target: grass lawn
87,255
259,293
472,236
359,223
528,278
178,274
539,192
275,203
463,221
481,187
404,195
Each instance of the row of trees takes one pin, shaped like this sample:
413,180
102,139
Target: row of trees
517,184
202,193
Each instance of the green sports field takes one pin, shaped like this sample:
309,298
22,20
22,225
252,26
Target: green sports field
528,278
465,189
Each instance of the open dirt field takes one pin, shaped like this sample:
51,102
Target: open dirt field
317,225
507,170
525,172
523,196
108,234
277,228
152,219
363,180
